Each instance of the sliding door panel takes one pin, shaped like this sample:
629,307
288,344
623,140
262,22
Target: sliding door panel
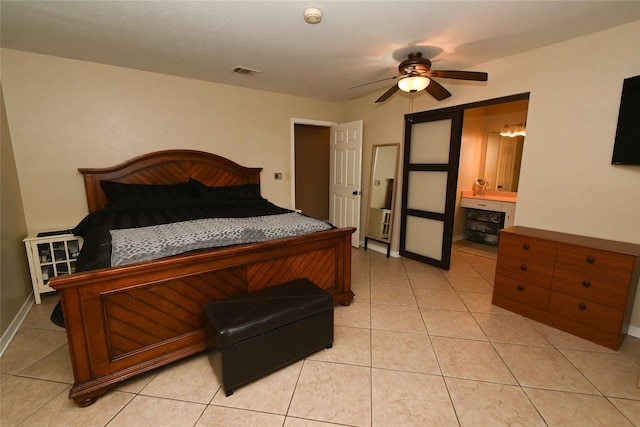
431,158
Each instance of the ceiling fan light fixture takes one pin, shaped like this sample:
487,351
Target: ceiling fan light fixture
414,83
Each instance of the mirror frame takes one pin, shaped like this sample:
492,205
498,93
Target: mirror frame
374,158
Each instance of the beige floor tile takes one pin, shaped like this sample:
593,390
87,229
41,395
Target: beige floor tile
473,360
359,276
396,318
630,408
362,291
460,268
356,315
391,277
54,367
403,351
350,345
217,416
543,367
440,299
470,284
564,340
429,281
20,397
154,411
500,405
455,324
271,393
39,315
300,422
614,374
192,380
409,399
488,272
481,303
61,411
333,393
411,265
137,383
631,347
379,261
392,295
574,409
339,387
28,346
510,329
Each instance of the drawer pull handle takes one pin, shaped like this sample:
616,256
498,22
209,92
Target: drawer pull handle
591,260
586,283
520,288
582,306
525,246
523,267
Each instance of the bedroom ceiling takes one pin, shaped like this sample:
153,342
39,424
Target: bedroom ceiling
356,42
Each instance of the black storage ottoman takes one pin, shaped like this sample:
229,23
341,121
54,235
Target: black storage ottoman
257,333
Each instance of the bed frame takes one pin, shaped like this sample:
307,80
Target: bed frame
124,321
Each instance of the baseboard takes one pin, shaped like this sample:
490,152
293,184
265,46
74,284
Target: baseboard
634,331
11,331
380,247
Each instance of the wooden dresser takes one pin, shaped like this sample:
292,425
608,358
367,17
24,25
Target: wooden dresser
581,285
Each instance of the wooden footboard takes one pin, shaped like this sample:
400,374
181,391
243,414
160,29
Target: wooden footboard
124,321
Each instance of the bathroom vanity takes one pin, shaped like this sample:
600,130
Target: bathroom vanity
487,213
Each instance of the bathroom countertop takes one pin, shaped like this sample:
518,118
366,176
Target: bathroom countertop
496,196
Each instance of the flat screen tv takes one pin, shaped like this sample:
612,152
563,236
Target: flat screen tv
626,149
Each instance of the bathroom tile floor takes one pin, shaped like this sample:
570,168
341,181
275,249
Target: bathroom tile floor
419,346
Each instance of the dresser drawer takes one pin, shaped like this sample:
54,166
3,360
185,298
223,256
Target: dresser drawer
615,267
594,289
528,249
522,292
524,270
586,312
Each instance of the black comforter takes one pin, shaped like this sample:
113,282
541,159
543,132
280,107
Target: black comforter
94,229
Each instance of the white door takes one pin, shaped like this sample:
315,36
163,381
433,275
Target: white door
345,177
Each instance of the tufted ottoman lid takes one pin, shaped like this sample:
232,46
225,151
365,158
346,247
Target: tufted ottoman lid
238,318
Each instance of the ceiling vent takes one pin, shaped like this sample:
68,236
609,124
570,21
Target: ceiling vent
245,70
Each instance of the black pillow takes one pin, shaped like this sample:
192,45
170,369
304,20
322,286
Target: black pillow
146,194
232,192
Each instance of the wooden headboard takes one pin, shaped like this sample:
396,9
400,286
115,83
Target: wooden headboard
167,167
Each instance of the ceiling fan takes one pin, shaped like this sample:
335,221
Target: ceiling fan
416,75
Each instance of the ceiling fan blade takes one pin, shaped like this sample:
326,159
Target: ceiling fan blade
376,81
388,93
459,75
436,90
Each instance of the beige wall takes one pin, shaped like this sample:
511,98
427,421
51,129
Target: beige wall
66,114
15,284
567,182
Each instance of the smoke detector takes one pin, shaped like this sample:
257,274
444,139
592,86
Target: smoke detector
312,15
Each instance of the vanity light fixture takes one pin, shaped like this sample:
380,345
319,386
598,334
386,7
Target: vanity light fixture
512,131
414,83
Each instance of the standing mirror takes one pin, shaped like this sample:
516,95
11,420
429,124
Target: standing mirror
382,189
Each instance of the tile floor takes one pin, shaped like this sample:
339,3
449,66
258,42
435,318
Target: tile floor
418,347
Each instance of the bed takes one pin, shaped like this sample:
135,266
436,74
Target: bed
126,320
